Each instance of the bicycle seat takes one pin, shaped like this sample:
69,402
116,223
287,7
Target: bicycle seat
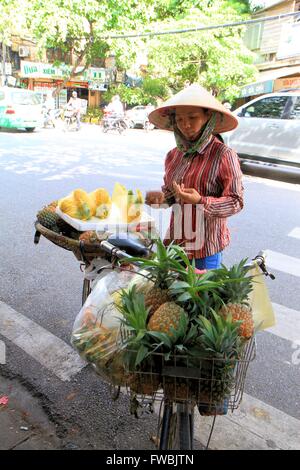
129,243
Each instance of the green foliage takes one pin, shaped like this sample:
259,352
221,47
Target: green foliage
217,58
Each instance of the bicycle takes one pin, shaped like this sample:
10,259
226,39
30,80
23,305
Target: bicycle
181,380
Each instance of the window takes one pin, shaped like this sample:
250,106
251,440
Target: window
253,36
2,95
295,113
25,98
271,108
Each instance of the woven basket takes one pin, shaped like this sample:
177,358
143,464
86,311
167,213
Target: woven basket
82,250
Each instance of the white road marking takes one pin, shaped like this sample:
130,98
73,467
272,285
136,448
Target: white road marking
287,323
255,425
49,350
284,263
295,233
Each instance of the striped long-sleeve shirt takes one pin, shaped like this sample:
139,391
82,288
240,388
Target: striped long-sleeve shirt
215,173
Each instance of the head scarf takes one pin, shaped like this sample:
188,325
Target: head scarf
188,147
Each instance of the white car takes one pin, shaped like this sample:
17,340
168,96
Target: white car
269,128
138,117
20,108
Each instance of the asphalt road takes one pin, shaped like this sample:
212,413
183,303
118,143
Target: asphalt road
43,282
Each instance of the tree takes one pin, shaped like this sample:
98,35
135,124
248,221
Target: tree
218,59
79,27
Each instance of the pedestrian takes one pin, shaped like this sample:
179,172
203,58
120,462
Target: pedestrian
202,179
75,104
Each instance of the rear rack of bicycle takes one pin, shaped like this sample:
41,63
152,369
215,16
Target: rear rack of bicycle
207,382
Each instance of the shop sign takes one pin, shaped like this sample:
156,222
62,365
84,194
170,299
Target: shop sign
258,88
95,74
97,85
40,70
282,83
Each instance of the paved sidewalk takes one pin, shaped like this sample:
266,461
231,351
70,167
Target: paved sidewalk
23,423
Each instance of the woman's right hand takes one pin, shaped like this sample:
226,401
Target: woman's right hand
154,197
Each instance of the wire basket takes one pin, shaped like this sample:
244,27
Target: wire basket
207,382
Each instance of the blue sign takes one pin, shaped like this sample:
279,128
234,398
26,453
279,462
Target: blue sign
258,88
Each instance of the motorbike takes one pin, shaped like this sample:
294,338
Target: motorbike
70,119
50,117
112,122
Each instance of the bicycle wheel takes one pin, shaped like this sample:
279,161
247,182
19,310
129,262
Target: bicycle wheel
86,289
177,427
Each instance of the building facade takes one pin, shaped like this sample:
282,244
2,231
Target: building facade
27,67
276,45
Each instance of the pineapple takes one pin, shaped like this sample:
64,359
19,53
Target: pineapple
219,346
166,318
240,312
48,218
237,287
138,347
161,270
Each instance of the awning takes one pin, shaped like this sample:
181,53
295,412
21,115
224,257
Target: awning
266,81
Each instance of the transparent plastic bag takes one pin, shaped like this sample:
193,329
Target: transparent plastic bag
97,328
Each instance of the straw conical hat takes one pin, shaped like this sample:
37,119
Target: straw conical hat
194,95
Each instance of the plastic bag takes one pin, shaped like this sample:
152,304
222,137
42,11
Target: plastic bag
262,310
97,328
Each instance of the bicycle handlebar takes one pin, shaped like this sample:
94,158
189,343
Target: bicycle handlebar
114,251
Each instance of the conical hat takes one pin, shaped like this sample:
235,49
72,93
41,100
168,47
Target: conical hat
194,95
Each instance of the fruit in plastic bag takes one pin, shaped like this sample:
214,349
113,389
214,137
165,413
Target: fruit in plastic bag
102,201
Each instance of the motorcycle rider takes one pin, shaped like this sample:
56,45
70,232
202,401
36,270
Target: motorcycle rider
115,107
75,104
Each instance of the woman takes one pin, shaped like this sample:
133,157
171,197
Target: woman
203,180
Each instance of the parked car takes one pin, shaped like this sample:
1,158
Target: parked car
19,108
269,129
138,116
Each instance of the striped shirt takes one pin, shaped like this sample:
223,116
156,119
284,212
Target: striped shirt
215,173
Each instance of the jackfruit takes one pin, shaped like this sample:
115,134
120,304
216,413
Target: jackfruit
102,201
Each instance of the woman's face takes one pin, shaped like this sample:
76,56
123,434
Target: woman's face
190,120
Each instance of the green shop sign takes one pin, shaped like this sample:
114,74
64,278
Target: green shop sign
258,88
40,70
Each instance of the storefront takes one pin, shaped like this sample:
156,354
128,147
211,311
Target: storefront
285,78
45,78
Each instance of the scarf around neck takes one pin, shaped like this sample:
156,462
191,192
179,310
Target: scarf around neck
190,148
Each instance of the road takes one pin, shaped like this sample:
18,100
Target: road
42,284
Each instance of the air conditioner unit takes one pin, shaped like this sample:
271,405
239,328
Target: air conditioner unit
24,51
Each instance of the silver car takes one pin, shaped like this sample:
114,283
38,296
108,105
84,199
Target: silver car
269,128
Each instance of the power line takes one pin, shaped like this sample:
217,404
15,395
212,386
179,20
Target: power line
202,28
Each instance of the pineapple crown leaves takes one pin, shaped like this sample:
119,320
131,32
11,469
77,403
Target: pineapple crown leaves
163,266
219,335
235,282
134,311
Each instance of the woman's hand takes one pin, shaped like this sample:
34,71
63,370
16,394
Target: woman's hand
187,195
154,197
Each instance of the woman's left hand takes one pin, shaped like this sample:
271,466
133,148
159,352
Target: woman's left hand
187,195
